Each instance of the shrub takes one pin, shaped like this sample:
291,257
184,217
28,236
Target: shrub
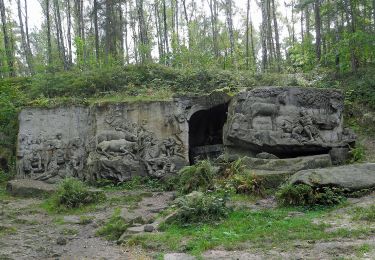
357,154
198,177
73,193
248,184
199,207
295,195
114,228
305,195
329,196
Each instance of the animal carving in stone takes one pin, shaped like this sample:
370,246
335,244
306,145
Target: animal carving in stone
264,109
115,135
120,146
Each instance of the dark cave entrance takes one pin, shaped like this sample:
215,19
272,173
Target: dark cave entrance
206,133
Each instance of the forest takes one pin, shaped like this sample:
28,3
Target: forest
187,129
258,36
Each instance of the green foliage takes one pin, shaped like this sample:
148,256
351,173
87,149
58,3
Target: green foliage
198,207
5,177
295,195
114,227
73,193
198,177
305,195
357,153
236,178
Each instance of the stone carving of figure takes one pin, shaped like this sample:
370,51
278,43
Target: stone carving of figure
303,126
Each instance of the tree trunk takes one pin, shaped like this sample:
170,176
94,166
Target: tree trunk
247,33
126,33
264,34
96,27
166,41
212,5
307,20
69,35
276,28
7,42
25,47
229,12
49,44
318,37
187,23
60,34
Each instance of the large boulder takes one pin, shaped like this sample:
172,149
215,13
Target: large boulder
352,177
286,121
276,171
30,188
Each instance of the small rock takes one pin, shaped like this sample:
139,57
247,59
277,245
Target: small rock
148,228
61,241
178,256
135,230
72,219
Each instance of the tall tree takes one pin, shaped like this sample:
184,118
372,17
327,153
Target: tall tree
69,35
7,41
48,24
318,24
25,45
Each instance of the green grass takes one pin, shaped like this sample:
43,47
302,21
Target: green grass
363,249
262,229
114,227
7,230
366,214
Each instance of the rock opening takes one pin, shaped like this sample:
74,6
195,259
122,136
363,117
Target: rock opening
206,132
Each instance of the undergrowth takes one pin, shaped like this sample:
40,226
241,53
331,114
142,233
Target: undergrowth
72,194
114,227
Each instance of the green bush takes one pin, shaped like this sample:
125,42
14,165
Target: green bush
114,227
198,177
295,195
237,179
199,207
5,176
305,195
73,193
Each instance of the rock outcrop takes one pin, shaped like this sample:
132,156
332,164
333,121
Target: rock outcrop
352,177
286,121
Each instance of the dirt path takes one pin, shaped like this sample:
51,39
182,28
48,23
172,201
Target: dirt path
28,232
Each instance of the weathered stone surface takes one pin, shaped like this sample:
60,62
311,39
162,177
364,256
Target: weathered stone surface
353,177
276,171
287,121
108,141
30,188
290,165
339,155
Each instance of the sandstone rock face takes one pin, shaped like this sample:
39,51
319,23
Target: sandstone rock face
108,141
352,177
286,121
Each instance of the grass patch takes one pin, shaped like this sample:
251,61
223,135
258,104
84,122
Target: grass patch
72,196
263,229
7,230
114,227
366,214
363,249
